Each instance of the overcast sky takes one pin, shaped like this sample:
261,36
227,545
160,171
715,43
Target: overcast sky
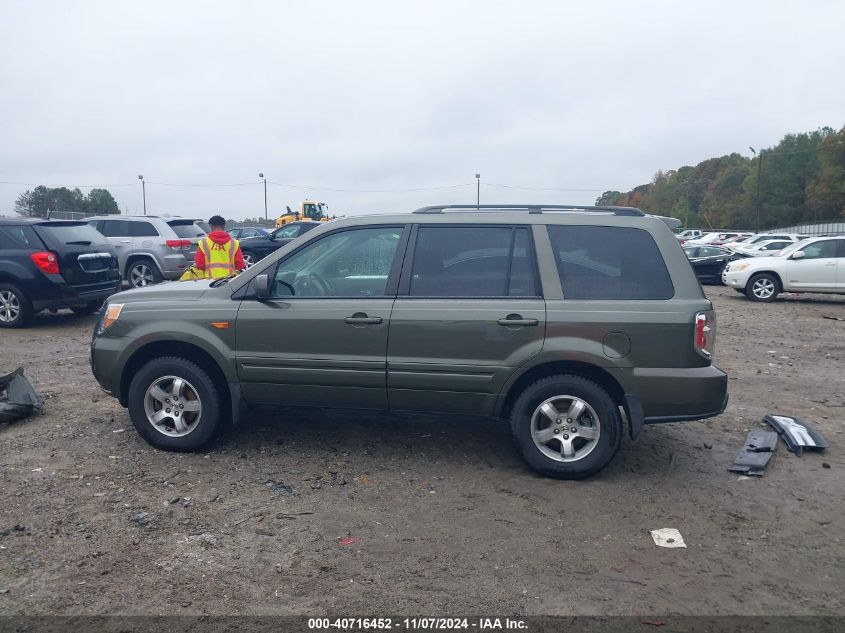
399,95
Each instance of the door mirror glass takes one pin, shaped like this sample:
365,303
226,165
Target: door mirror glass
262,287
798,255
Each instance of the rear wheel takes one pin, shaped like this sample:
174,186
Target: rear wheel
142,272
88,308
566,427
249,258
762,287
15,308
175,405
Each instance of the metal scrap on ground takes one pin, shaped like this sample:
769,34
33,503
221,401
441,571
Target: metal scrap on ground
797,433
755,455
17,397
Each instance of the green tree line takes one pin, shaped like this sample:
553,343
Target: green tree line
43,200
801,180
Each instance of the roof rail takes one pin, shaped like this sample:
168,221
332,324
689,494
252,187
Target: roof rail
531,208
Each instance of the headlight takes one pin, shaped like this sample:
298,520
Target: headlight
110,317
740,266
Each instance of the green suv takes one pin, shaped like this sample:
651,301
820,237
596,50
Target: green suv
556,318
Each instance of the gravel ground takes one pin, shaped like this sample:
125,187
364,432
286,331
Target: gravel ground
306,513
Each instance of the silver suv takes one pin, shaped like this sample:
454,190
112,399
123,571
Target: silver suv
150,249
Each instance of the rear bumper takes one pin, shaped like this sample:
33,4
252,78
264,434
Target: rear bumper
678,394
64,295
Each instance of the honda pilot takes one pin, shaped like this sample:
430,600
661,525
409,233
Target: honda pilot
572,323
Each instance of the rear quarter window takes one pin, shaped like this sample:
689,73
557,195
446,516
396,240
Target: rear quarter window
609,263
19,237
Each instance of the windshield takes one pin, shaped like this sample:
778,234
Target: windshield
797,246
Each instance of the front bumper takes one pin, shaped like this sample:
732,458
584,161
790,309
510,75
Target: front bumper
735,279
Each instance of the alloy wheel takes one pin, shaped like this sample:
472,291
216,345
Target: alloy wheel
249,260
763,288
10,306
172,406
140,275
565,428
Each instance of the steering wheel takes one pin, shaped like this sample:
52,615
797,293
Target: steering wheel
320,285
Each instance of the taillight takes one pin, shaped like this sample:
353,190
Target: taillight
46,261
705,333
179,244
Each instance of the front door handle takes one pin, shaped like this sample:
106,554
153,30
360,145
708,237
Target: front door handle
361,318
516,319
125,241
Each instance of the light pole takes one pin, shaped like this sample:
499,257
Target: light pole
759,169
478,192
144,192
265,197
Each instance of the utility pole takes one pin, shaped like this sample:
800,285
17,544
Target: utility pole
478,192
266,219
144,192
759,169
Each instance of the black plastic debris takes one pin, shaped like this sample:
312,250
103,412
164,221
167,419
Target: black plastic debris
797,433
17,397
755,455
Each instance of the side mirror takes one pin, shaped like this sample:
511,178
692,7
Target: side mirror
798,255
262,287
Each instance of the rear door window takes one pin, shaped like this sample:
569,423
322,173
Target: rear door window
459,262
609,263
115,228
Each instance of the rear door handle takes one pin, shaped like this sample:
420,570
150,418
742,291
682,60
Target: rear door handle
125,241
516,319
361,318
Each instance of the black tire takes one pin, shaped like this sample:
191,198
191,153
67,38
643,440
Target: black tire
16,308
142,268
211,417
609,423
89,308
760,285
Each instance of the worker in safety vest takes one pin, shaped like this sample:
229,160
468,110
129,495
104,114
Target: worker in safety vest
218,255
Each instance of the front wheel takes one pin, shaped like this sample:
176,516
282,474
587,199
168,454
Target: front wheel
566,427
249,259
175,405
762,287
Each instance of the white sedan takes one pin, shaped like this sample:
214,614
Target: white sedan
813,265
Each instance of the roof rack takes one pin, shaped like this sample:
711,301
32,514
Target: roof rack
531,208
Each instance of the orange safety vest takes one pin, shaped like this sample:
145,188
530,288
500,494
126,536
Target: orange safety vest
219,258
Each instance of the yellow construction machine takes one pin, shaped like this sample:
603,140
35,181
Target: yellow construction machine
308,210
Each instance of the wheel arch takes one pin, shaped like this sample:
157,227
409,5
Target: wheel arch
188,351
531,375
131,259
766,271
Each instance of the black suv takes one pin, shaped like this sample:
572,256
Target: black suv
51,264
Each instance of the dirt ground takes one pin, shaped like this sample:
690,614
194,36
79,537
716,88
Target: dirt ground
311,513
